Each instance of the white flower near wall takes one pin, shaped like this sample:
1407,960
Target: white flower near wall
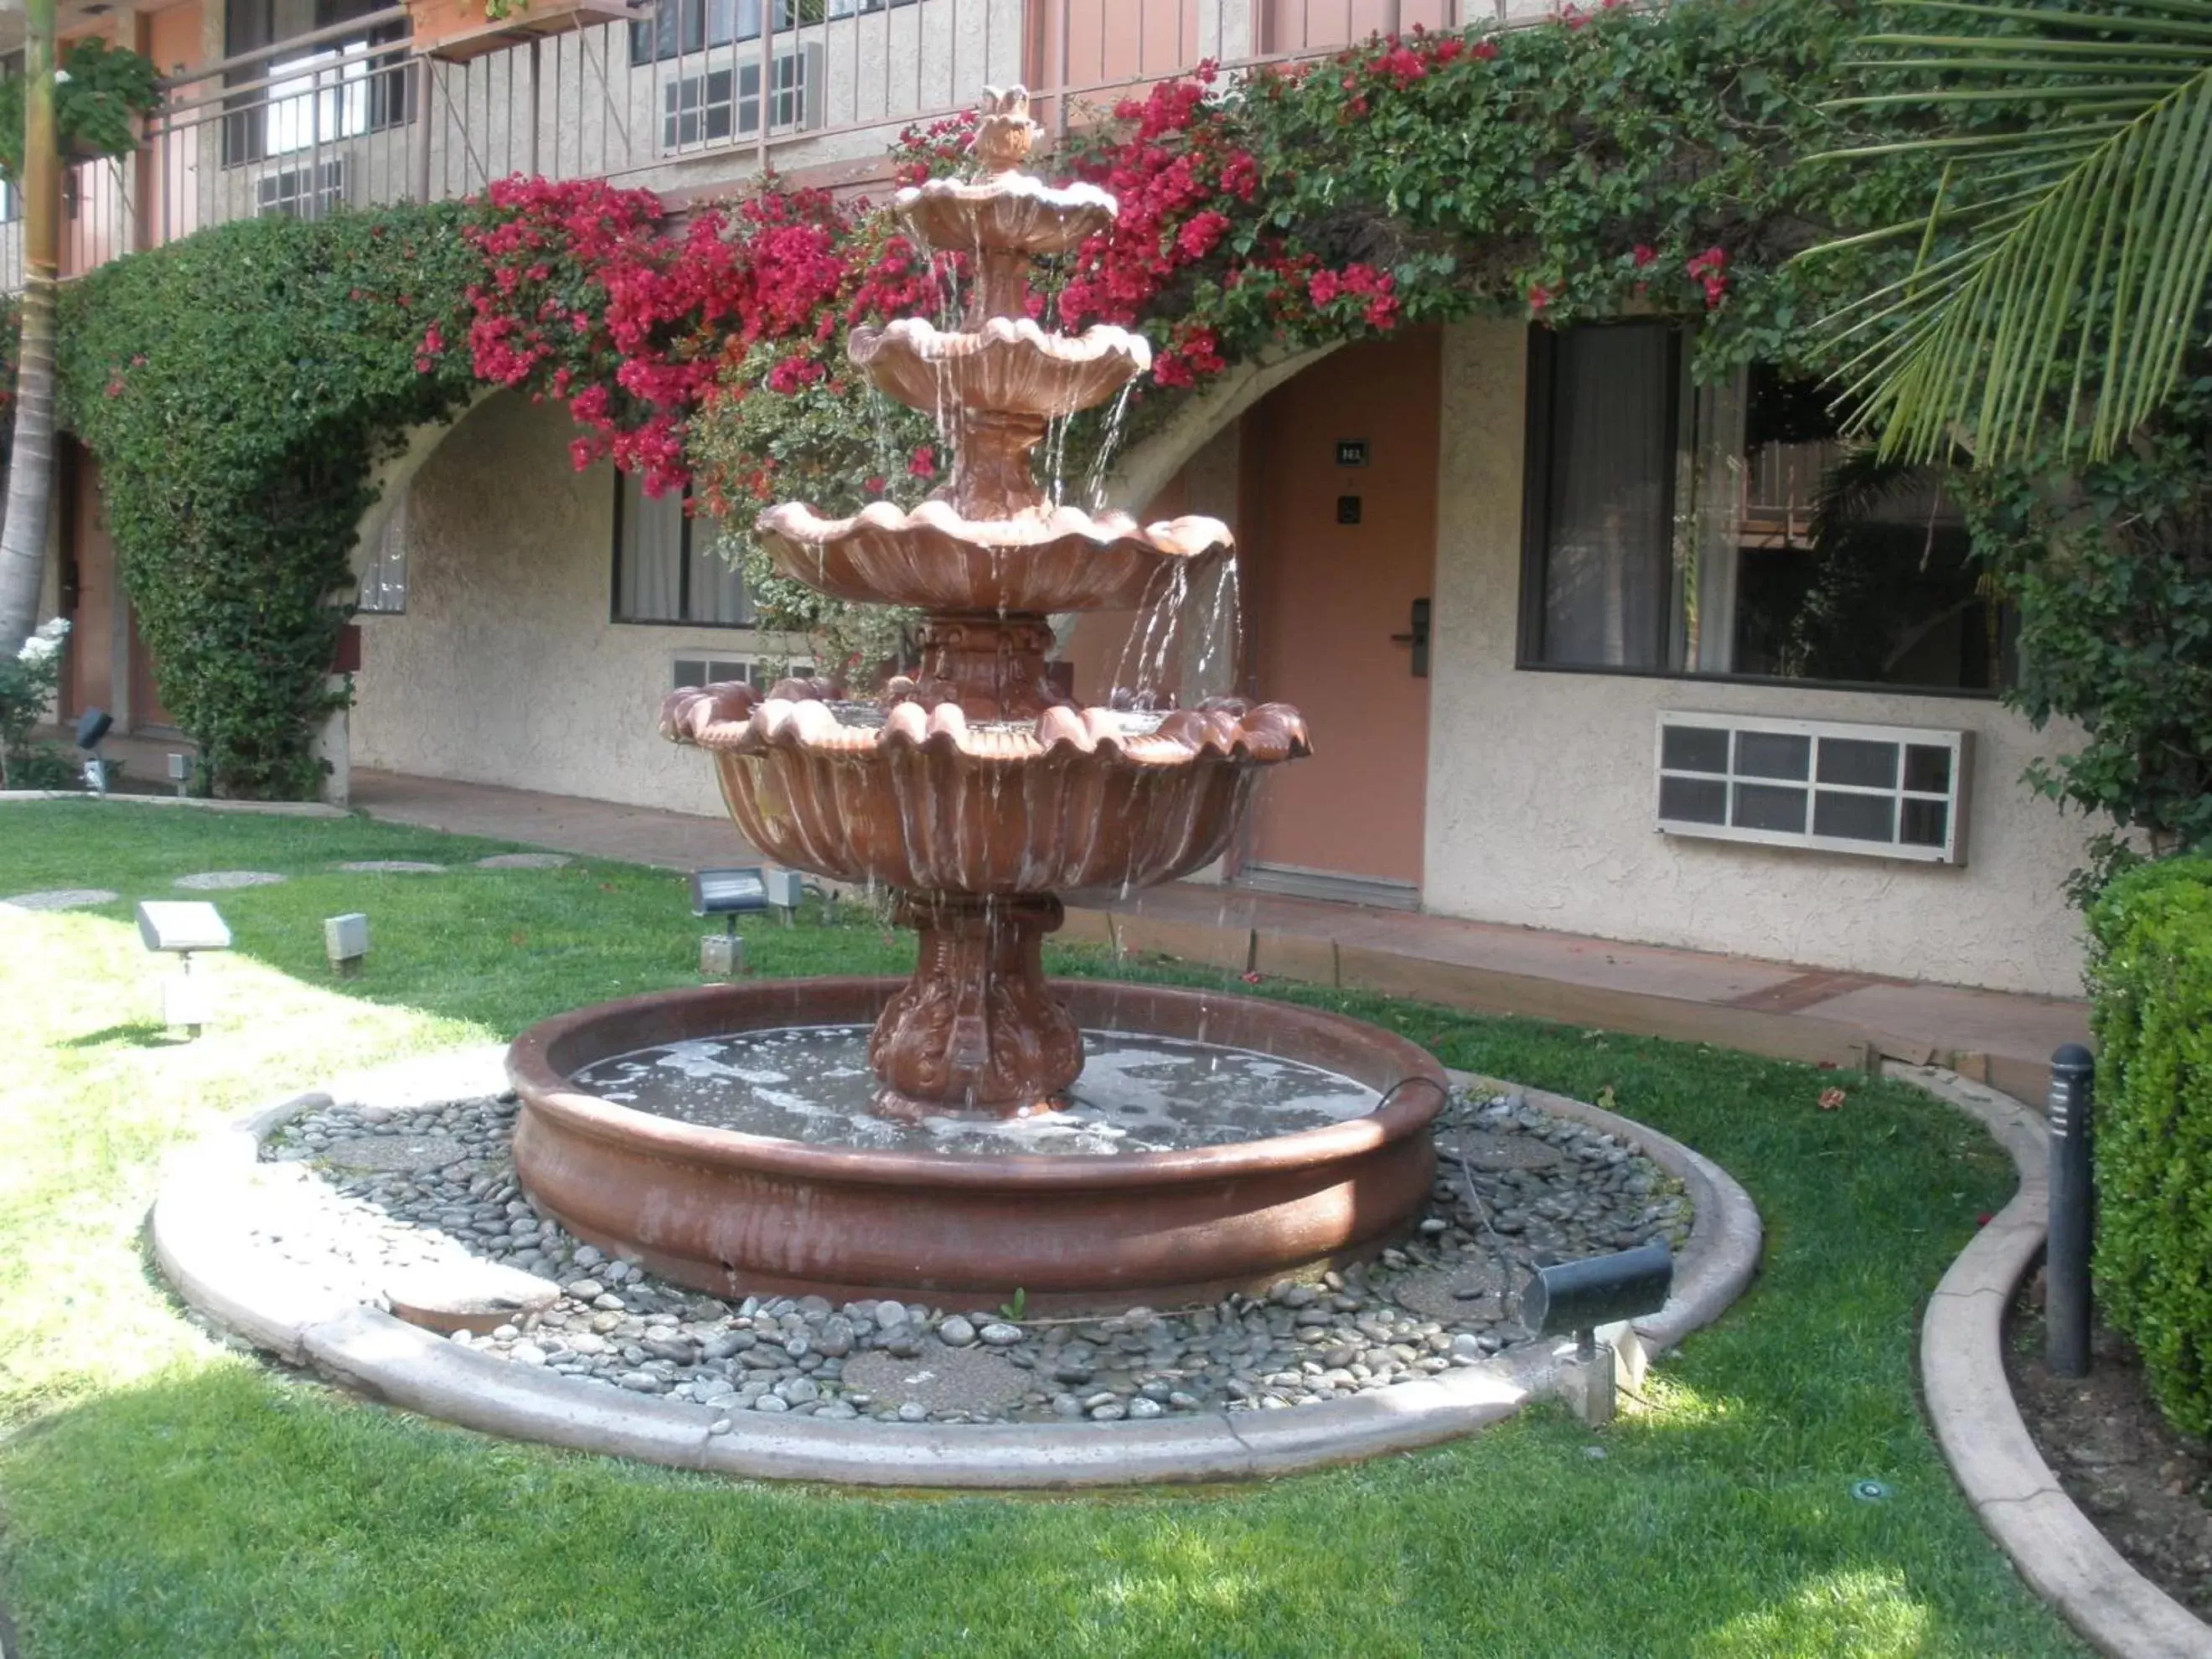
45,642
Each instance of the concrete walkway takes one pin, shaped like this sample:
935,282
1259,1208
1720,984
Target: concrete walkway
566,823
1767,1007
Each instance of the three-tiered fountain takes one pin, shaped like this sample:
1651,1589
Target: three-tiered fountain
997,1132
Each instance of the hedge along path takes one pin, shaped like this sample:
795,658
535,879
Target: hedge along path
2151,976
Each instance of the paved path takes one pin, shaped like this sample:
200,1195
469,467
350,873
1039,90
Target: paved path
1769,1007
566,823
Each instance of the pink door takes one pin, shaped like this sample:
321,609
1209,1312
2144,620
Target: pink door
1339,532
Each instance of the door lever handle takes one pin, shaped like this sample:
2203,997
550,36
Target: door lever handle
1417,637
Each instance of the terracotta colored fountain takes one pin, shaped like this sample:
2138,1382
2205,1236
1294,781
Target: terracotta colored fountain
976,794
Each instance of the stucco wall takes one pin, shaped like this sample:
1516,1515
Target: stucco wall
1540,798
505,669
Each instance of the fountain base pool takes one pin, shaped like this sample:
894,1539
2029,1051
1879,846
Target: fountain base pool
1123,1197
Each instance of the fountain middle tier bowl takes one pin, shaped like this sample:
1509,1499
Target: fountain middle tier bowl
1036,562
730,1212
926,801
1008,366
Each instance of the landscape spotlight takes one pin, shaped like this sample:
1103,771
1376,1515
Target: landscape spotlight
1597,1290
786,892
345,941
727,894
92,725
179,928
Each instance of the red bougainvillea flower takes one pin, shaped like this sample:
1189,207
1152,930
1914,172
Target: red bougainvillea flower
1486,50
1644,255
922,464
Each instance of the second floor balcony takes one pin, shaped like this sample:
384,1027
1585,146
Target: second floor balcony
300,107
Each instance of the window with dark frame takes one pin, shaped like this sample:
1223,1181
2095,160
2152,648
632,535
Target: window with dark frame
1725,531
665,568
680,27
317,96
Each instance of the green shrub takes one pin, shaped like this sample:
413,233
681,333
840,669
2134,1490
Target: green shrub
2151,975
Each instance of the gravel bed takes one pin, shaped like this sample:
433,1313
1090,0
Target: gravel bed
368,1193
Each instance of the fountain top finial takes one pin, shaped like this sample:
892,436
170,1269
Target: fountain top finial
1005,134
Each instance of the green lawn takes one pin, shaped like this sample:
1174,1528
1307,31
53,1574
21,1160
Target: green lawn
160,1496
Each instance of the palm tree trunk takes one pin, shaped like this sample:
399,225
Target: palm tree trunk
31,457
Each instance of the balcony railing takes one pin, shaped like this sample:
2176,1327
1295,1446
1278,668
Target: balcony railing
672,99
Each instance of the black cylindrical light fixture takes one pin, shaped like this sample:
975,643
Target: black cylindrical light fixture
2066,1271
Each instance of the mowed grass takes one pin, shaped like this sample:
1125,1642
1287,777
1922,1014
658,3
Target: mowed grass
161,1496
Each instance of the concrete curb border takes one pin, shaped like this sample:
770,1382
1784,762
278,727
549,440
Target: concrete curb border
283,809
199,1228
2054,1546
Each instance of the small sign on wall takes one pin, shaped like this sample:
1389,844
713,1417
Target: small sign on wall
1351,451
1347,509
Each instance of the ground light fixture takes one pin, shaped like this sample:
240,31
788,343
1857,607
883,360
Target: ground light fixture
1585,1297
92,725
785,890
180,927
729,894
345,941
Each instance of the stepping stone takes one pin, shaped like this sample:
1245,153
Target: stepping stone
466,1294
523,862
59,898
941,1379
214,881
1471,1289
391,868
390,1154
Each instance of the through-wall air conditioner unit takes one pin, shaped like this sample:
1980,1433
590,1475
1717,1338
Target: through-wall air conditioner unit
1896,791
310,191
722,106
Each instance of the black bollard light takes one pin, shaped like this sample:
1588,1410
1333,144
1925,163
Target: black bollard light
2066,1269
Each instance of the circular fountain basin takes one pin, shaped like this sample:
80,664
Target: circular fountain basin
1080,1209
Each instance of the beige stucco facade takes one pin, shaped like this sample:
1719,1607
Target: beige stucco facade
505,668
1538,800
1540,795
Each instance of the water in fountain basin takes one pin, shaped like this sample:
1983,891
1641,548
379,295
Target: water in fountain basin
1137,1094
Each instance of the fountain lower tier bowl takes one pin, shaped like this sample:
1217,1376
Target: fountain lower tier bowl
926,801
728,1211
1038,562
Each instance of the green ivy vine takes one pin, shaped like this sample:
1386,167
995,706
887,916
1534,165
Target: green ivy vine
238,387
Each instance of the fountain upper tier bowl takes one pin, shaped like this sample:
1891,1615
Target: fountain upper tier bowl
1008,366
725,1211
924,799
1040,561
1011,212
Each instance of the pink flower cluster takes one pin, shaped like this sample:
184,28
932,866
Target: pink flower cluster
1709,271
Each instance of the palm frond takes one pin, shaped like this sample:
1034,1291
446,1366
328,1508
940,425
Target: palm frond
2062,276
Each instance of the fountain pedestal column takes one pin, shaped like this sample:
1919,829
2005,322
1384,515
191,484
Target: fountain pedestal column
976,1028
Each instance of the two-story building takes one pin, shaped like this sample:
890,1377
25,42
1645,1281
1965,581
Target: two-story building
1571,653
